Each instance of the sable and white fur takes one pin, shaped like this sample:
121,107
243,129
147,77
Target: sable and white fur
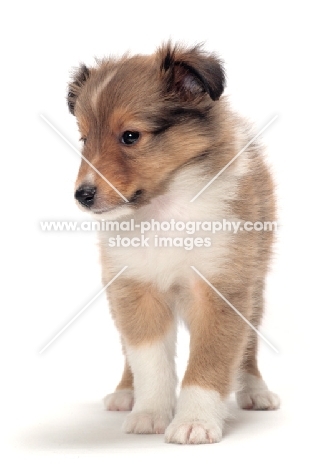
185,136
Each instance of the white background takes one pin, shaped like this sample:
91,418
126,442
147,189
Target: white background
51,403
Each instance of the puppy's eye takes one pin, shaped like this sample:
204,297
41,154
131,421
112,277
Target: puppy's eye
83,139
129,137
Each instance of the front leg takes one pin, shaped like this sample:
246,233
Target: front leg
148,331
217,340
152,365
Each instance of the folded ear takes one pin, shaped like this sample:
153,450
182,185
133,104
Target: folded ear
79,78
191,72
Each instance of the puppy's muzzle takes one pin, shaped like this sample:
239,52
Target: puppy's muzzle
89,197
85,195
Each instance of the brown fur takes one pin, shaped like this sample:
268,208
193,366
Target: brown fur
172,99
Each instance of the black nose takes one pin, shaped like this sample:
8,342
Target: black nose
85,195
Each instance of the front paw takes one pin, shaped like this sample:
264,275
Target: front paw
193,432
199,419
121,400
142,422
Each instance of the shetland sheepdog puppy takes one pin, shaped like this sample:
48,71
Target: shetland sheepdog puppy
155,132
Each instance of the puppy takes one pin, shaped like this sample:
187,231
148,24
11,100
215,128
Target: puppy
155,131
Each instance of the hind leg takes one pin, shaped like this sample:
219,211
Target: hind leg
123,397
254,393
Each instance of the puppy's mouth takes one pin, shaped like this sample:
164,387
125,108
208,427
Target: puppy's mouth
89,199
136,196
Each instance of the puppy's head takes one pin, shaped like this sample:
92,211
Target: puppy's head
141,119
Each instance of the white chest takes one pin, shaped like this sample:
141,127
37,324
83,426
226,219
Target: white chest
168,236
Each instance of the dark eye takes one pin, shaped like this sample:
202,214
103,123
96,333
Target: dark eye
83,139
128,137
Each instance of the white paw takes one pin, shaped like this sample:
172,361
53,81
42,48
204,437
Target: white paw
199,418
193,432
255,394
146,423
121,400
257,400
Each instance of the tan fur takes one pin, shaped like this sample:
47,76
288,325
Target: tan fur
172,99
140,312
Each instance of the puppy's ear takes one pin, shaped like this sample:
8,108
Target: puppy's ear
78,80
191,72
